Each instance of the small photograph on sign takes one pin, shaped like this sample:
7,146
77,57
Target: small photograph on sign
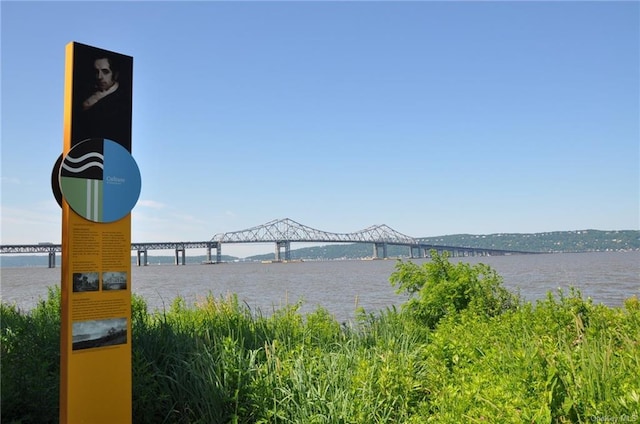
114,280
99,333
85,281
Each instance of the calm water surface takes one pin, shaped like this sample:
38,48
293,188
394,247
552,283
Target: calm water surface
342,286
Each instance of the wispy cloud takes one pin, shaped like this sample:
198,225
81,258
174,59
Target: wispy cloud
10,180
25,226
151,204
141,216
187,219
28,216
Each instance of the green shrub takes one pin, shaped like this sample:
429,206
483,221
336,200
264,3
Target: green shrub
439,288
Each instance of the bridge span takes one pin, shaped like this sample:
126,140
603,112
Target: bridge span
282,233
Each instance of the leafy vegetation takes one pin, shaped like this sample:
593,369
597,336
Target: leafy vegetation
461,349
438,288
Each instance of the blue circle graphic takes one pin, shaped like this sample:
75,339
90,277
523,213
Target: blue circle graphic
100,180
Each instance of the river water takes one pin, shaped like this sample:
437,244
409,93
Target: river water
342,286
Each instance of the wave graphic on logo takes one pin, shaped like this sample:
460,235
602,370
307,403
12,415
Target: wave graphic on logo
76,167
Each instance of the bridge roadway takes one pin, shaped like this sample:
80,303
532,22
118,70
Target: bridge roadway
282,232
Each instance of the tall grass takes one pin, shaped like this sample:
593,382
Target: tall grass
30,360
558,360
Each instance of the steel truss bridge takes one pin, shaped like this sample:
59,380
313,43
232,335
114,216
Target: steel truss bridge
282,232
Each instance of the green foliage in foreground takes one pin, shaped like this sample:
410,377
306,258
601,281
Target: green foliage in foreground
460,350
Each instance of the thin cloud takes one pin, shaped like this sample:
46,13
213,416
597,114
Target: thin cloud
26,226
10,180
189,219
144,217
26,216
151,204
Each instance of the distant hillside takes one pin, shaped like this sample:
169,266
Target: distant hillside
558,241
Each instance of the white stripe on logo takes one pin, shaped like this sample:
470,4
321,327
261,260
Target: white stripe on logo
96,196
88,215
93,199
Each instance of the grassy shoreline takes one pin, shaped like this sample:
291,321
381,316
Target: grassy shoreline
460,350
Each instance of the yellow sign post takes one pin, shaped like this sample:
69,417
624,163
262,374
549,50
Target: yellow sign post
97,183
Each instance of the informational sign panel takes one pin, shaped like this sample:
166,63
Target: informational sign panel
97,183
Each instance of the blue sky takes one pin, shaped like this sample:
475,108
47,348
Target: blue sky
431,117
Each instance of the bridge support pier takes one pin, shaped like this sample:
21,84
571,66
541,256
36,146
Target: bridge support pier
142,258
52,258
376,250
286,245
178,250
416,248
218,246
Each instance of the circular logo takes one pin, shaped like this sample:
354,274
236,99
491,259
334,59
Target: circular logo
100,180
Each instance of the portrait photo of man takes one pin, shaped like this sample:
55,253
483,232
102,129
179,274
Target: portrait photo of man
102,96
